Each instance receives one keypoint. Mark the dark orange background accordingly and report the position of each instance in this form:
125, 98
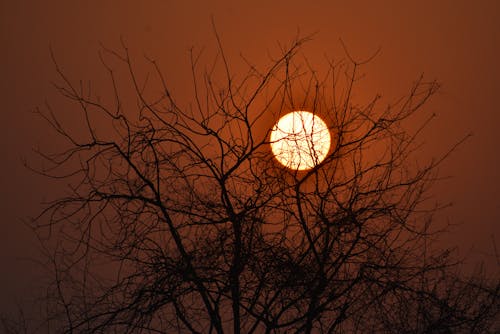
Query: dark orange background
455, 42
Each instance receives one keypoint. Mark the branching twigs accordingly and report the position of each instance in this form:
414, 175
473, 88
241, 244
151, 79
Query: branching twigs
181, 221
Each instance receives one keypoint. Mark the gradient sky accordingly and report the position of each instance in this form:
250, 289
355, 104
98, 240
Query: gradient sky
455, 42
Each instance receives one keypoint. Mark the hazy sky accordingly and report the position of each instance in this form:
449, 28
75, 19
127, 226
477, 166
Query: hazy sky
455, 42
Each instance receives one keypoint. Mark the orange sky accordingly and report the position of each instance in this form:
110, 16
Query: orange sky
455, 42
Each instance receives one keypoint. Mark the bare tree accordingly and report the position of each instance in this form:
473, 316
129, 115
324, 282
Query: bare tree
179, 219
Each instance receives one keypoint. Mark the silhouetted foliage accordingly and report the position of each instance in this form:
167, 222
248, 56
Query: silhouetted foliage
179, 219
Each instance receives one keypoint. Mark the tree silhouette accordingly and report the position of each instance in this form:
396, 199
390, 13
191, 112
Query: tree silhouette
179, 219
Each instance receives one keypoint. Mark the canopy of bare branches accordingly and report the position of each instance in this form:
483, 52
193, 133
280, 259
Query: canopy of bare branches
179, 219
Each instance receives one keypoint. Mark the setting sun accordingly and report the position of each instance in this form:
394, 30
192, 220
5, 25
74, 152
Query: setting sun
300, 140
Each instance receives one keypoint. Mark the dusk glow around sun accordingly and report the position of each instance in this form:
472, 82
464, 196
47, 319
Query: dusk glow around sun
300, 140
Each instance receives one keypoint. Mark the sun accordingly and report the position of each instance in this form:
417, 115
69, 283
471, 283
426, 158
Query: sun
300, 140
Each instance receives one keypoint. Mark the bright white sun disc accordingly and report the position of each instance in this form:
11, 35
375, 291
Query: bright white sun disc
300, 140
